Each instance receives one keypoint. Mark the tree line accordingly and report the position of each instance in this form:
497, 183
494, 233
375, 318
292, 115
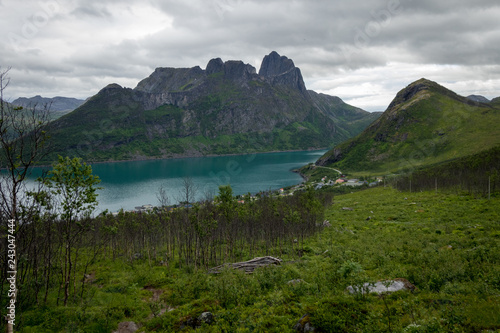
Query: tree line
477, 174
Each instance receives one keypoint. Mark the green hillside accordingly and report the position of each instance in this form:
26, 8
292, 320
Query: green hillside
425, 124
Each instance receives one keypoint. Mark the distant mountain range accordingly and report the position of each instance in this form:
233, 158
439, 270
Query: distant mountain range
424, 124
59, 106
228, 108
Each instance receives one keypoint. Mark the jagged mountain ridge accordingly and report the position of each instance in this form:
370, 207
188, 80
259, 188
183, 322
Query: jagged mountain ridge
425, 123
226, 108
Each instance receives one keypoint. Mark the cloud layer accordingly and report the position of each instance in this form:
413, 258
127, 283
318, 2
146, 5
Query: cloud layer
363, 52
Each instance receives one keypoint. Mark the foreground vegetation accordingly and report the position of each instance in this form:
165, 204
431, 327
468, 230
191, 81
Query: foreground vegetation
445, 244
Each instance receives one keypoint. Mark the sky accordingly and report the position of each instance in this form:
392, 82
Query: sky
361, 51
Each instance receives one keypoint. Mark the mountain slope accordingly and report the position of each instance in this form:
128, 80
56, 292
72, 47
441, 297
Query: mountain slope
425, 123
350, 120
226, 108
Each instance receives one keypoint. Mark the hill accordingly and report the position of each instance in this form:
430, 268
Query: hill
478, 98
424, 124
225, 109
59, 106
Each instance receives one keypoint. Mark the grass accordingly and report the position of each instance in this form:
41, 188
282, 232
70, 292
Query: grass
448, 246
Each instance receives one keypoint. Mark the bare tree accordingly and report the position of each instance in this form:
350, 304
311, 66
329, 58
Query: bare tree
22, 142
188, 192
162, 196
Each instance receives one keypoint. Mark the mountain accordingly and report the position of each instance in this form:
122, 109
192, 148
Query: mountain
495, 102
424, 124
59, 106
350, 120
225, 109
478, 98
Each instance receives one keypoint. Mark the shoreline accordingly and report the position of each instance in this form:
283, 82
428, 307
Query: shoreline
188, 157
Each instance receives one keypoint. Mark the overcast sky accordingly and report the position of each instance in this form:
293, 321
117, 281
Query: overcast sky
362, 51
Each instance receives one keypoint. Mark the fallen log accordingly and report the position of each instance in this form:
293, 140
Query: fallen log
247, 266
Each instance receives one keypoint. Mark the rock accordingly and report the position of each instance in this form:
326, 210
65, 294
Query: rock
347, 208
280, 70
273, 64
238, 71
380, 287
215, 66
303, 325
296, 281
206, 317
127, 327
190, 322
326, 224
309, 328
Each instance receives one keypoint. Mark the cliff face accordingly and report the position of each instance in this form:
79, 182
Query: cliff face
226, 108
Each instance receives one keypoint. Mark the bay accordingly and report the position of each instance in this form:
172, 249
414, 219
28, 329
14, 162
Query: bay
135, 183
126, 185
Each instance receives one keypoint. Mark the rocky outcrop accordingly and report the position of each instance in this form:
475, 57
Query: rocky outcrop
273, 65
164, 80
381, 287
304, 325
279, 70
215, 66
127, 327
196, 322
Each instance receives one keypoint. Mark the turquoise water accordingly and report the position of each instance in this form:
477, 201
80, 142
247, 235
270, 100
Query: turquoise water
136, 183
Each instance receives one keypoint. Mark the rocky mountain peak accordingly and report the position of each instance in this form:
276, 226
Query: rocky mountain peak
273, 65
278, 69
214, 66
232, 69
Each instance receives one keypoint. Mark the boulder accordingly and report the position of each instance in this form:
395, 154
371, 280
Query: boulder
381, 287
127, 327
206, 317
304, 325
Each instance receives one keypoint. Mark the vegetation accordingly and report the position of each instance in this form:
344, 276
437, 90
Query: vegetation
151, 268
477, 174
22, 143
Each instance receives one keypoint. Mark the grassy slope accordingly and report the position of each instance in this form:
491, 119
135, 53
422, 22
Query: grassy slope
434, 126
447, 246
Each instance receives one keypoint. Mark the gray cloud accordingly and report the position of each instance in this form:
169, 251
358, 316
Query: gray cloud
364, 51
